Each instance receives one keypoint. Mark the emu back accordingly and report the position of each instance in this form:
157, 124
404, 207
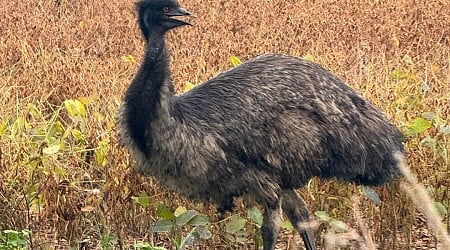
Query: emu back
259, 130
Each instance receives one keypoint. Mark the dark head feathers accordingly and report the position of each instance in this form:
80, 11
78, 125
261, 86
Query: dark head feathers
159, 15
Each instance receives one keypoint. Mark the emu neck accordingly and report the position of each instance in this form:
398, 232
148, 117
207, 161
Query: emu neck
148, 96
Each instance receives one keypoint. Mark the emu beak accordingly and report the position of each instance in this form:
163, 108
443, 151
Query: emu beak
179, 12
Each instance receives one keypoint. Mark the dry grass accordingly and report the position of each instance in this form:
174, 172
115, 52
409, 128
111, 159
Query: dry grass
56, 50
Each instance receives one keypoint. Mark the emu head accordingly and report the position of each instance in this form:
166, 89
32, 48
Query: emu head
159, 16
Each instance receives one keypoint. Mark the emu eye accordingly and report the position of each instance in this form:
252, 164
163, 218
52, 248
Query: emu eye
166, 9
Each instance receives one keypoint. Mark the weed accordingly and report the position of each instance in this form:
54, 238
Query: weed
12, 239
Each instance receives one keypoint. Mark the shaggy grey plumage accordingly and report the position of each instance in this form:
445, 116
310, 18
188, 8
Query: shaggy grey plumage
259, 130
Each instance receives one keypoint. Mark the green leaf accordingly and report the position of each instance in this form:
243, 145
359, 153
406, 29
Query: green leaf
179, 211
236, 224
398, 74
77, 134
100, 152
188, 86
419, 125
235, 61
309, 57
256, 216
56, 129
143, 199
52, 149
163, 226
370, 193
185, 217
164, 212
199, 220
3, 127
75, 108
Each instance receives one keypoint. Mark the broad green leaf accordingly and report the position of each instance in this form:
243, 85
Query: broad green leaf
164, 212
235, 61
180, 210
398, 74
163, 226
77, 134
75, 108
185, 217
309, 57
199, 220
56, 129
188, 86
370, 193
419, 125
235, 224
52, 149
143, 199
100, 152
255, 215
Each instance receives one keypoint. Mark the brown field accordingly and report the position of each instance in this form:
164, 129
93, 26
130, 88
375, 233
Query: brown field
80, 194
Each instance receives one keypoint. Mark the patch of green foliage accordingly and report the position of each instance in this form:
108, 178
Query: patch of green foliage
13, 239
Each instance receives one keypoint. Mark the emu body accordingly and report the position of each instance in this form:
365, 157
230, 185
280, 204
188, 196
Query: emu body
259, 130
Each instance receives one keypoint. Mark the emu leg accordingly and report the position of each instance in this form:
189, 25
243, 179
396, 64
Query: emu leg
271, 226
295, 209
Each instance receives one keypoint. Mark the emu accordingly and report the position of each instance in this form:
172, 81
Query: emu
258, 131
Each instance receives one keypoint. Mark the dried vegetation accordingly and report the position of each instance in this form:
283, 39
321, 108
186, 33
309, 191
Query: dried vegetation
80, 192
